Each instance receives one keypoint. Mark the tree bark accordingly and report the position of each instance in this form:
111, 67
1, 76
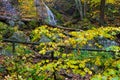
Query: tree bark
85, 8
79, 7
102, 9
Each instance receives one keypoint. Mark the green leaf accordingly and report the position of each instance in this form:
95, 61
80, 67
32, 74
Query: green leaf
116, 78
30, 79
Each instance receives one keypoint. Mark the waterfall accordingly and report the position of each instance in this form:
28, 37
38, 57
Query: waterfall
51, 17
44, 12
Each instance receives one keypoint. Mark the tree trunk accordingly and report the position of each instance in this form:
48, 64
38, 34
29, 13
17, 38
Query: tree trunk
79, 7
102, 8
85, 8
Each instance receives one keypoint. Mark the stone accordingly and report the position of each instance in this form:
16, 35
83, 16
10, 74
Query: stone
20, 36
44, 39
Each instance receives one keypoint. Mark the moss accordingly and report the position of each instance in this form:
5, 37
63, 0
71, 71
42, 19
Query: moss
5, 30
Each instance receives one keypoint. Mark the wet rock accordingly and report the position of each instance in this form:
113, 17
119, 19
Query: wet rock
11, 23
104, 42
9, 11
20, 36
44, 39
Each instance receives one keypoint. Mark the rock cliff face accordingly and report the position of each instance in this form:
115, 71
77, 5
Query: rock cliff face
7, 9
8, 12
65, 6
41, 9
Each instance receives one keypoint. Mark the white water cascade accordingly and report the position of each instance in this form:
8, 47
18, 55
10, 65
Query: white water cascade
44, 12
51, 17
